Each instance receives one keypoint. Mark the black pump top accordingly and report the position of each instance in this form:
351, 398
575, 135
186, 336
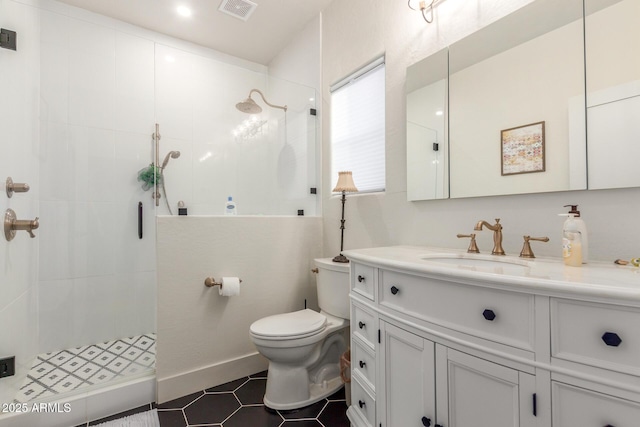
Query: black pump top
574, 210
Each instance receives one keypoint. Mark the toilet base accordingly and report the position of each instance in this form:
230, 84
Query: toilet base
317, 392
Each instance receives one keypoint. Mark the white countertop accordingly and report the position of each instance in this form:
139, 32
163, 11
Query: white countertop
547, 276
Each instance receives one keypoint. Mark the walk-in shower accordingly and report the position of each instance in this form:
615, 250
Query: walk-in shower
81, 296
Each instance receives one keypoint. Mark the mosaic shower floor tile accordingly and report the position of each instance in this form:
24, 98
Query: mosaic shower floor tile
72, 369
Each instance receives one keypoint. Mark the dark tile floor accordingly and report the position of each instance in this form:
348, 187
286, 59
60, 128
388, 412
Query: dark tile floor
239, 404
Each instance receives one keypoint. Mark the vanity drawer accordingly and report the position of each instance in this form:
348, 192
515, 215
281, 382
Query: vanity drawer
363, 324
363, 280
602, 335
363, 361
500, 316
573, 406
363, 402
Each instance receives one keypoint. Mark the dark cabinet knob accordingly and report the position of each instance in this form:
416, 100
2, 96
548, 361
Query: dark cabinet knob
611, 339
360, 279
489, 315
362, 364
361, 404
426, 422
361, 325
609, 425
394, 290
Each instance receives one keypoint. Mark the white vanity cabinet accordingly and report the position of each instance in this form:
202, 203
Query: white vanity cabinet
446, 347
424, 383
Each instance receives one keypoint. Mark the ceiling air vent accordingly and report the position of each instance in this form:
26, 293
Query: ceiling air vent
241, 9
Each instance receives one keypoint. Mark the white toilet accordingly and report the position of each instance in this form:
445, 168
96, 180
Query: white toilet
304, 347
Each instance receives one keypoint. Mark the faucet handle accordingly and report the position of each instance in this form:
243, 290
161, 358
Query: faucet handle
473, 248
526, 248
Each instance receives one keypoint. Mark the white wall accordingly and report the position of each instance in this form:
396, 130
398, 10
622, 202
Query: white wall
357, 31
203, 338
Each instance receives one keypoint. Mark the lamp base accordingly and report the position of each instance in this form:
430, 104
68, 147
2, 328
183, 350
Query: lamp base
341, 258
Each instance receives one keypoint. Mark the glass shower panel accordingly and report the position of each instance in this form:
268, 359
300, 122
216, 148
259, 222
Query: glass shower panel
265, 161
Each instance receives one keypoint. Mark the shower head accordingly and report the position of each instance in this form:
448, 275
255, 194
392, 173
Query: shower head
170, 154
249, 105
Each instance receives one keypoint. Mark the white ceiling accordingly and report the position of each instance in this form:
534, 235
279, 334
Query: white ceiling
269, 29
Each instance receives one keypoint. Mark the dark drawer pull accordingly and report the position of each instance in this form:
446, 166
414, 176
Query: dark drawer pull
361, 325
609, 425
426, 422
361, 404
360, 278
489, 315
394, 290
611, 339
362, 364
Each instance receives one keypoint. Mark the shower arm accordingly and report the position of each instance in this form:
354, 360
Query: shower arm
282, 107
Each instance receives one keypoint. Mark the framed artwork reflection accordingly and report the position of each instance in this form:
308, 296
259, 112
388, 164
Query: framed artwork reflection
522, 149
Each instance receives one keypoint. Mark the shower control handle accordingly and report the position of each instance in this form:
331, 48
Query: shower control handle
12, 224
14, 187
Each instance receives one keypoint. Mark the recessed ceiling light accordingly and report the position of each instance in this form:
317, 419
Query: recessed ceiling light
183, 11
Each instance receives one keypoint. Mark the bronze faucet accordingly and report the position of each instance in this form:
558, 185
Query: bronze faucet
497, 235
526, 247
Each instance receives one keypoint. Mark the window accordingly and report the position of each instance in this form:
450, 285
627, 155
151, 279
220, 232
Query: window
358, 127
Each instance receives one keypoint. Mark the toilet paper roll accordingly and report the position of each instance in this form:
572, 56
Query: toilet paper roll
230, 286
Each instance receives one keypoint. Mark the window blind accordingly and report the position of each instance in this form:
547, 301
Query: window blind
358, 127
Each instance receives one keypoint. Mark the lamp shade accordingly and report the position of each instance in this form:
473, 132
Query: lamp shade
345, 183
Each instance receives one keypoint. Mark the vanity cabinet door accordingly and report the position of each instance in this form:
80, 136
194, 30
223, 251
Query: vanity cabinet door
479, 393
408, 377
575, 406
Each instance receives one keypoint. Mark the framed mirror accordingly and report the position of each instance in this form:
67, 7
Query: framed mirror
612, 37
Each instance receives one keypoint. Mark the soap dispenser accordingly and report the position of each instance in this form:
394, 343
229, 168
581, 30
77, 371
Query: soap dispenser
571, 242
582, 228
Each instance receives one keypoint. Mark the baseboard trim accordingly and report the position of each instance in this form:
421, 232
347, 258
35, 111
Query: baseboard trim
185, 383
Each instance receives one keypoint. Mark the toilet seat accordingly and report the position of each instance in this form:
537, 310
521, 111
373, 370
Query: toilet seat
288, 326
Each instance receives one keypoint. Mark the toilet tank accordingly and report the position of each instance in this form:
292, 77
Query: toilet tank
332, 282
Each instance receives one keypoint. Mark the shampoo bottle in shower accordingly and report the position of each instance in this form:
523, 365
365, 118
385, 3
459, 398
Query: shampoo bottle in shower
230, 207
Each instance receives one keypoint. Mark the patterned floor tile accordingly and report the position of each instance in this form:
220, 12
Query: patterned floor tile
71, 369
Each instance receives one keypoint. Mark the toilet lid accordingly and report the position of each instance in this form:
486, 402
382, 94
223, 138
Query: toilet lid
289, 325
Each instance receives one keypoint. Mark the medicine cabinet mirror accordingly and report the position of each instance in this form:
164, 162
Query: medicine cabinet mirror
529, 67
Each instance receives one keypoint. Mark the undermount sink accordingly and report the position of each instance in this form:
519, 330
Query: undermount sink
481, 262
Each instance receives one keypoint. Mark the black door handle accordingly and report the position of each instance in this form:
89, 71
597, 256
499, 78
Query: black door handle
394, 290
611, 339
360, 279
361, 404
362, 364
426, 422
489, 315
361, 325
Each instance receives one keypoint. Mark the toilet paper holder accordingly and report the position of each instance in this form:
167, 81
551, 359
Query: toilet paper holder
210, 282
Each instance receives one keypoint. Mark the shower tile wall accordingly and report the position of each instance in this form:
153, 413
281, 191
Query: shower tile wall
97, 278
